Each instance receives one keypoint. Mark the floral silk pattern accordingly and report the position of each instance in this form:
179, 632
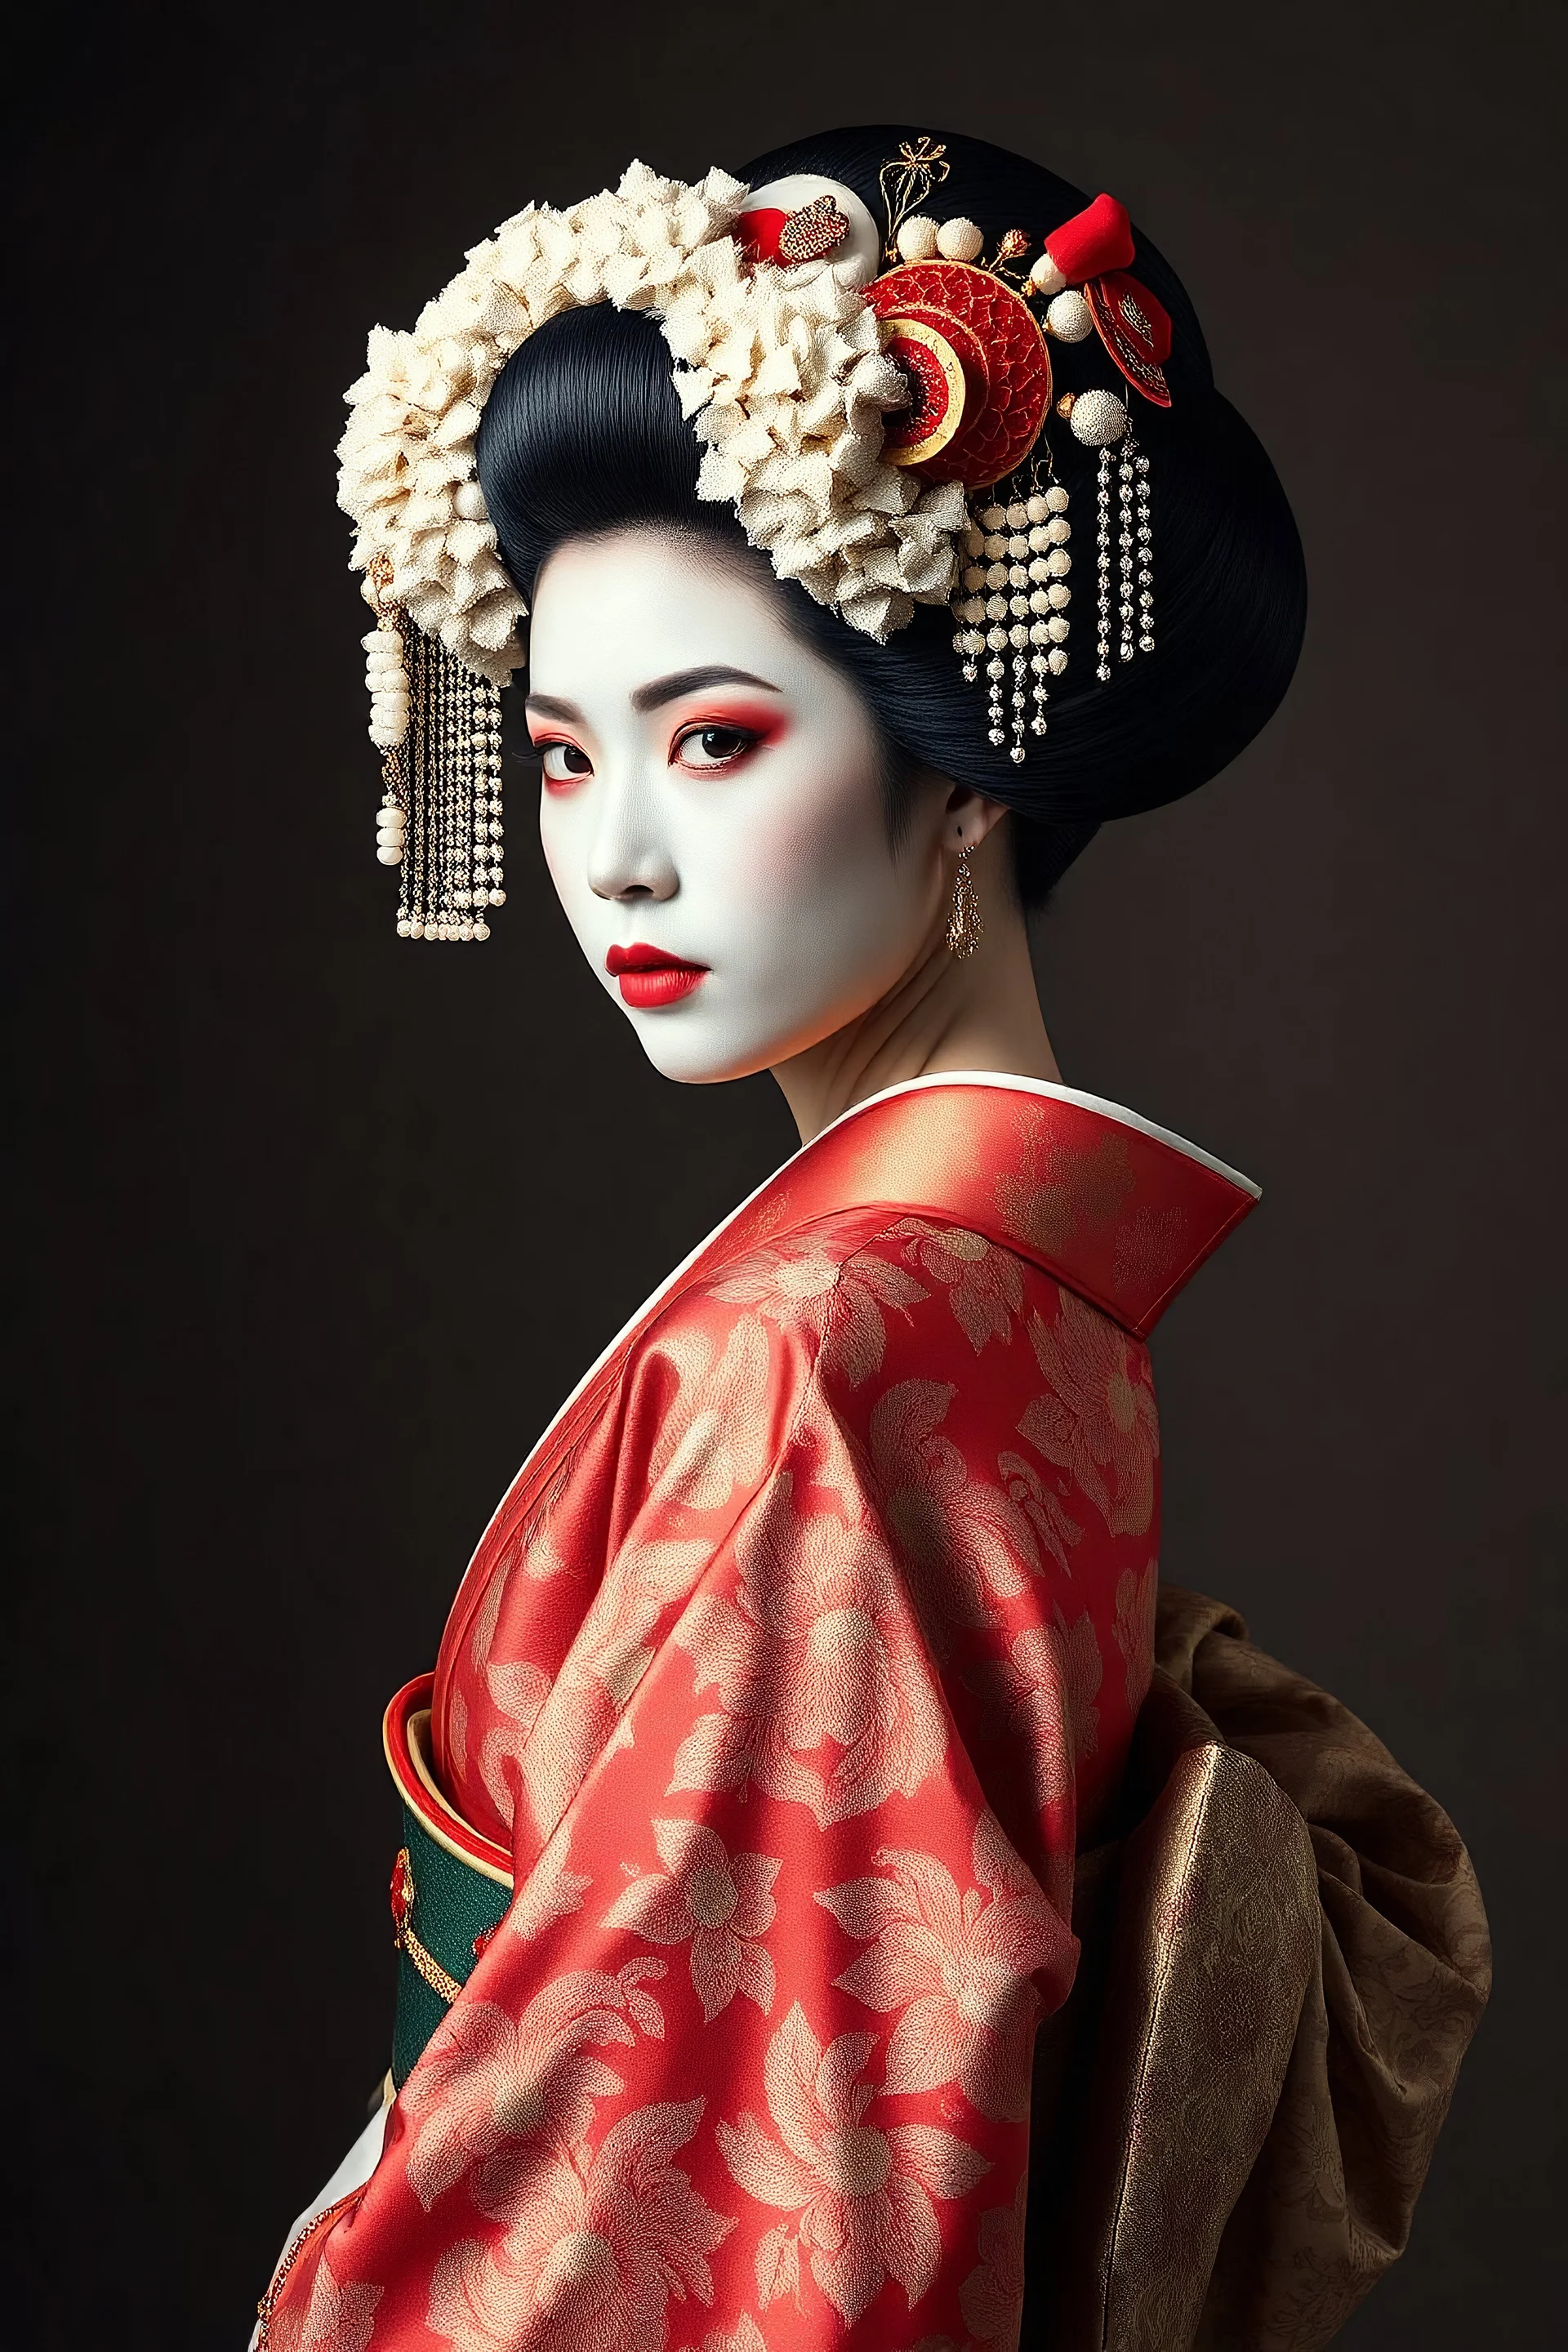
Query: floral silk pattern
804, 1652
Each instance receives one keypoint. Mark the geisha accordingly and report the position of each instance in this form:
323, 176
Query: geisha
844, 1899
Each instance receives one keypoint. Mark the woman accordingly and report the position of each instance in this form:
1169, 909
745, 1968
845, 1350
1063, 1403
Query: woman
841, 1894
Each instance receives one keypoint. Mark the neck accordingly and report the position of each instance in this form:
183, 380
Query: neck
980, 1013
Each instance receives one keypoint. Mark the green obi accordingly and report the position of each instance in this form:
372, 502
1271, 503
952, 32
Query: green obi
450, 1889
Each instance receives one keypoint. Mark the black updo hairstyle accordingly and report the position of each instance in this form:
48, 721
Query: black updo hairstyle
582, 433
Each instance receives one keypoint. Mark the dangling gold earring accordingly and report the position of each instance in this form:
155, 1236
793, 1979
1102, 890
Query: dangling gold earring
964, 928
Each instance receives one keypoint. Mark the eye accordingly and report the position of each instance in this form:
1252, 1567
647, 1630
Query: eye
719, 744
563, 762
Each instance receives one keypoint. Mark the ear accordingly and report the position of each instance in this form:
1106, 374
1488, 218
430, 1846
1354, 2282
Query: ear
968, 817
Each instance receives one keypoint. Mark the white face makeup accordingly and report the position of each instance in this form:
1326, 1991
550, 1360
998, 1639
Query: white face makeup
712, 813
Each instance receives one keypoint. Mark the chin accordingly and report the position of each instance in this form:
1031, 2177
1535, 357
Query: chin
724, 1032
694, 1056
700, 1044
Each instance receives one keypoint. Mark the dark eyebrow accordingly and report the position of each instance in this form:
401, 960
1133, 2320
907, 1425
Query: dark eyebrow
549, 707
660, 690
657, 691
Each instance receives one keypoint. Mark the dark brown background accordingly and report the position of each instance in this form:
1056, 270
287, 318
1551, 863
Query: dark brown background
316, 1229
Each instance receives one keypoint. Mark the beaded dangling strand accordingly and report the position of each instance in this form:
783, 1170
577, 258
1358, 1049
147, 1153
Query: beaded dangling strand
386, 680
1136, 549
1018, 626
1102, 580
1126, 608
487, 813
1021, 563
1135, 594
1145, 535
969, 605
438, 728
997, 611
1050, 597
410, 923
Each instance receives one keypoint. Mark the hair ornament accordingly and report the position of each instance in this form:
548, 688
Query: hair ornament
1135, 329
1068, 317
1003, 362
919, 166
1095, 417
976, 356
804, 219
1097, 239
847, 410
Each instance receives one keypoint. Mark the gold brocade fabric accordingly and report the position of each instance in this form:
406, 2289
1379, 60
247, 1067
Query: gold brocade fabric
1284, 1959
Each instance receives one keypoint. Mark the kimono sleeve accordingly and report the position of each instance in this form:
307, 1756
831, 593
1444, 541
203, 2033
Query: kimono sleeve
747, 2065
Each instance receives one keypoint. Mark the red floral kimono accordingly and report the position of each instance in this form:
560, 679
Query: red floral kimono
802, 1657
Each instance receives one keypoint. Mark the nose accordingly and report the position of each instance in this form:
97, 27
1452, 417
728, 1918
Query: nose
628, 856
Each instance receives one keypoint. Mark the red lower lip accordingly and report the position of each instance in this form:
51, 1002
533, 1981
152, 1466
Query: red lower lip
648, 977
662, 984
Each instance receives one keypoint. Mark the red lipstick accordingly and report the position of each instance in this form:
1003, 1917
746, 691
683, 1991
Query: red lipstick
649, 977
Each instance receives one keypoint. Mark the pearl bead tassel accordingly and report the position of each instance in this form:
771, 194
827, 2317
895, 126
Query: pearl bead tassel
1135, 556
387, 681
1014, 610
1125, 541
1102, 561
1137, 530
391, 826
438, 729
1014, 602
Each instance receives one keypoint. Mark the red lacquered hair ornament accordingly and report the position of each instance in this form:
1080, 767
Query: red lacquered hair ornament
1135, 328
990, 417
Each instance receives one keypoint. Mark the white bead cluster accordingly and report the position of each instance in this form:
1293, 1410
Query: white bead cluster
1097, 418
1068, 317
387, 681
921, 238
391, 828
1015, 605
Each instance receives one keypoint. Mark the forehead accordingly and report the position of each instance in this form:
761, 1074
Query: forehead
612, 612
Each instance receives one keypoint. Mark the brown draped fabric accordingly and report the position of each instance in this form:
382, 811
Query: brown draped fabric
1284, 1959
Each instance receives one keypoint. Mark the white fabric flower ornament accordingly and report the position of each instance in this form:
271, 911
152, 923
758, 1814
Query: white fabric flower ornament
782, 373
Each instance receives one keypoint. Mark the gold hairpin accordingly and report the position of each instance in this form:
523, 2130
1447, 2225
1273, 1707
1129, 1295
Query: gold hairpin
920, 166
